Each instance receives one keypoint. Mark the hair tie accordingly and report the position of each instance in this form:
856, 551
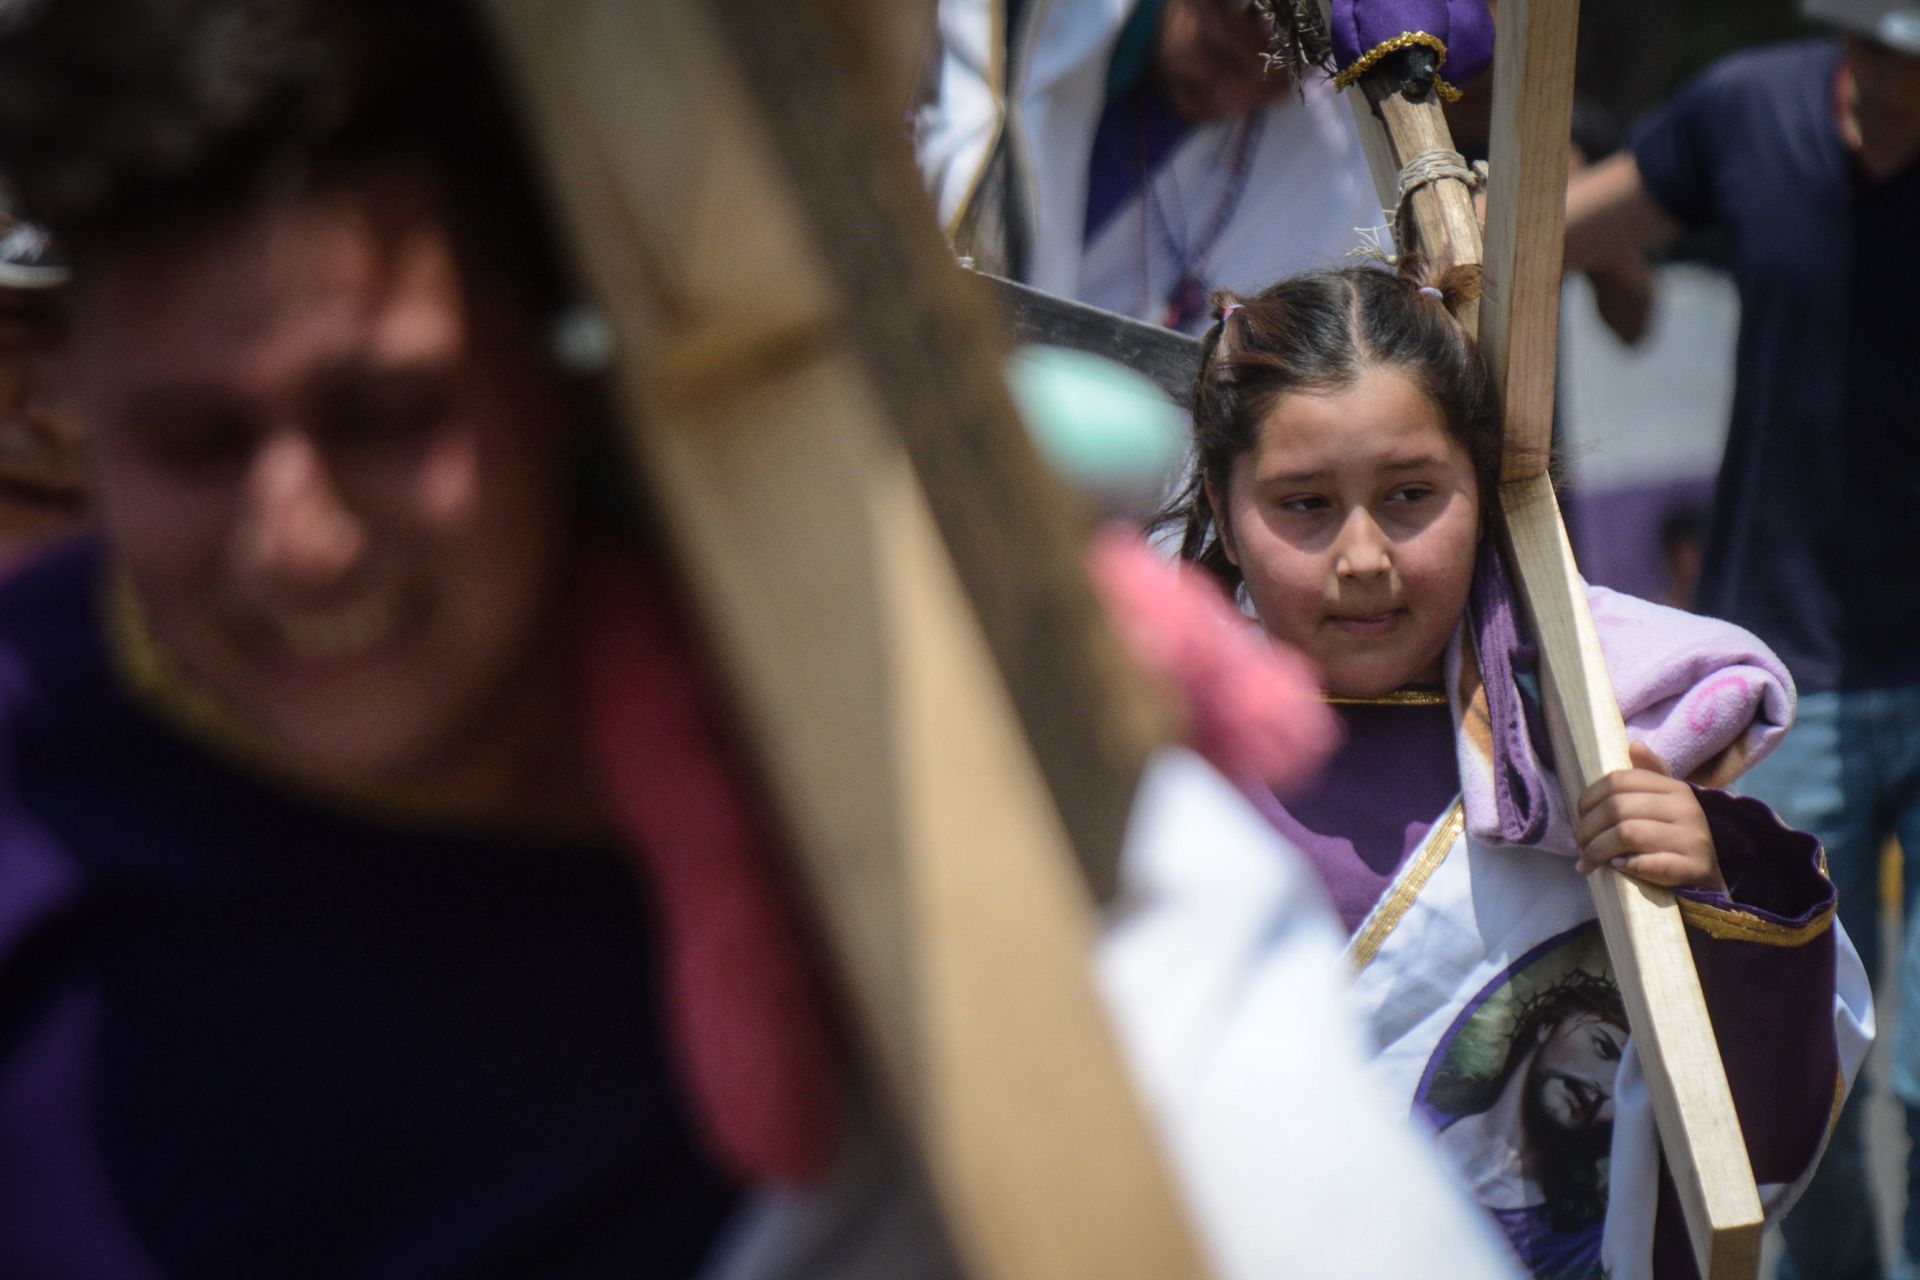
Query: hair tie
1228, 310
1432, 292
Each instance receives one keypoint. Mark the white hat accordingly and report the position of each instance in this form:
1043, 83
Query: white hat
1889, 22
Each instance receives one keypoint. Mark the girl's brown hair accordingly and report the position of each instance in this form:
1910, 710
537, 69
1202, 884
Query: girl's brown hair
1318, 332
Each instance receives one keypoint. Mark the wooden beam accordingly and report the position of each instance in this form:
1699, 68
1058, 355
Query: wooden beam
1646, 941
1526, 221
1517, 323
771, 391
1519, 335
1438, 221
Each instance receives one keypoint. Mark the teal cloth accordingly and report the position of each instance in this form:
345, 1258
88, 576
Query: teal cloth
1133, 52
1108, 432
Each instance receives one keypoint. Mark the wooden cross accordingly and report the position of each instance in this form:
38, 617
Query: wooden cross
948, 732
1517, 319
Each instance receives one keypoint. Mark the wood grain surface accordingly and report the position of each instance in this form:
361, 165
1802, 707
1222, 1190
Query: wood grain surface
892, 584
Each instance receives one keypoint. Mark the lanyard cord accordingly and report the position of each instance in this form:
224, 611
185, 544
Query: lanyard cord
1188, 294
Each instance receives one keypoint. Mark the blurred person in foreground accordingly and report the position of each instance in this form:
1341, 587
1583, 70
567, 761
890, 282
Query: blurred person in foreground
1807, 158
43, 487
322, 950
378, 897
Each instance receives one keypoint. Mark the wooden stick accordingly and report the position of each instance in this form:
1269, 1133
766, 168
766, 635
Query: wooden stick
1526, 222
1646, 941
1526, 212
1438, 221
1517, 325
765, 386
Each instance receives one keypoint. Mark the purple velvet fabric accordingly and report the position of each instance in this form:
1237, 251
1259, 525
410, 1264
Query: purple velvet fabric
1780, 1065
1464, 26
248, 1031
1370, 809
1771, 1006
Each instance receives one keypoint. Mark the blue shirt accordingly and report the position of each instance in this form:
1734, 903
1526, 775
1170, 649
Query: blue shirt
249, 1033
1814, 541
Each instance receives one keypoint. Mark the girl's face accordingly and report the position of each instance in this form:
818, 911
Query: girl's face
1354, 520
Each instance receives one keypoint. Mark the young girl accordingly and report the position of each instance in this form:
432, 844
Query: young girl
1347, 440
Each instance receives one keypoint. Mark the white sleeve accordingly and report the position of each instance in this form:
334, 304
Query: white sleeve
955, 132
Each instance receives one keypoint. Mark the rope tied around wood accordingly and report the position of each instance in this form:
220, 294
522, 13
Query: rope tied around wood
1429, 167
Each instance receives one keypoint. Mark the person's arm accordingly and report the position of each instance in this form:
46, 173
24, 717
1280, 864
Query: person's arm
1611, 216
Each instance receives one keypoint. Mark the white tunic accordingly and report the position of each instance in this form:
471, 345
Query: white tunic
1305, 198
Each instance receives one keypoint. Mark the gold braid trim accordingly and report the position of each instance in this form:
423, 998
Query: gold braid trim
1405, 40
1390, 910
1731, 925
152, 678
1397, 698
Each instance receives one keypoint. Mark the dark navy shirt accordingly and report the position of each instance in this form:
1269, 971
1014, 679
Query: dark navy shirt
1814, 542
249, 1034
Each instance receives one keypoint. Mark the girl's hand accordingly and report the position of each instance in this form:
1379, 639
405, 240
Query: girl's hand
1649, 825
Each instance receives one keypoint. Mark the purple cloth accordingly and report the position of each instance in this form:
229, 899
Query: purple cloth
1709, 698
1548, 1252
1463, 26
1138, 132
1782, 1077
245, 1032
1771, 1006
1375, 802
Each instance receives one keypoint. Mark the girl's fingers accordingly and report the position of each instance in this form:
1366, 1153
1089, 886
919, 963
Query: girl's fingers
1648, 781
1670, 870
1645, 757
1643, 822
1638, 836
1623, 807
1611, 843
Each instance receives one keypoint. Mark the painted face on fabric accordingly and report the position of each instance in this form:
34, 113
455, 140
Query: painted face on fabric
1354, 520
331, 474
1572, 1075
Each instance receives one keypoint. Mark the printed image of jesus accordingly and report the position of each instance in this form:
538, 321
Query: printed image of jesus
1521, 1093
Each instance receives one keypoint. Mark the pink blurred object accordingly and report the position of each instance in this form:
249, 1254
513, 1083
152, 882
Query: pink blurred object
1252, 708
748, 1021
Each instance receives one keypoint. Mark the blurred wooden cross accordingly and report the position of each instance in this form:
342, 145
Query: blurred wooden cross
949, 734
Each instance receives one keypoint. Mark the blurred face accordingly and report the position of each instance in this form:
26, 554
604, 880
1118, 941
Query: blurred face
1208, 60
330, 472
42, 468
1354, 521
1572, 1075
1885, 96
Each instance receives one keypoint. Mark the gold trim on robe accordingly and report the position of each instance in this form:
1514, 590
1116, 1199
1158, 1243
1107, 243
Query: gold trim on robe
1733, 925
1393, 907
1395, 698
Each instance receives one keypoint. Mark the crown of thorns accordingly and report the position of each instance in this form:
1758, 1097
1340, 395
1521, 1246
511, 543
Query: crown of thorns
1582, 991
1299, 37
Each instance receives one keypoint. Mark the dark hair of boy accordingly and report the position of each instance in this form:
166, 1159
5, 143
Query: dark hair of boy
124, 121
